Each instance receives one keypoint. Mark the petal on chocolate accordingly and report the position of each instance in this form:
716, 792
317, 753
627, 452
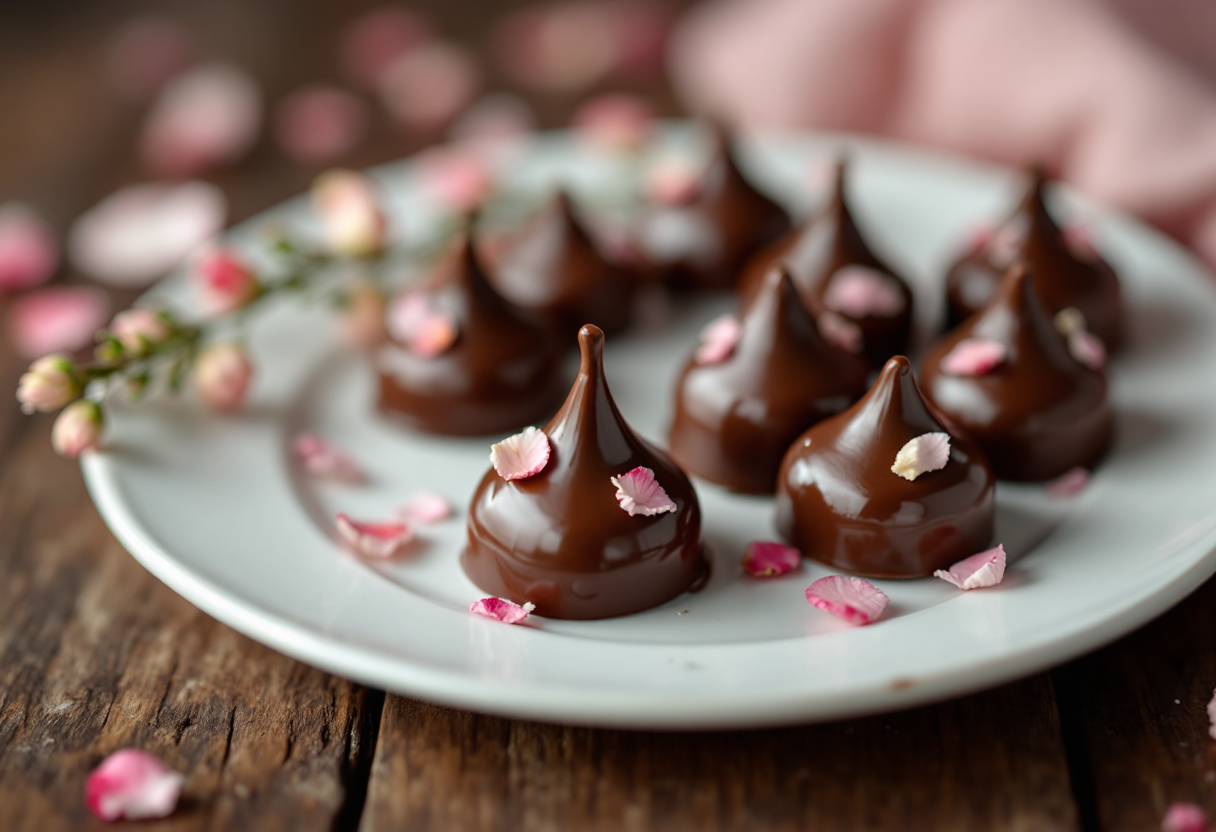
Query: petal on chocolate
974, 357
425, 508
718, 339
922, 454
639, 493
522, 455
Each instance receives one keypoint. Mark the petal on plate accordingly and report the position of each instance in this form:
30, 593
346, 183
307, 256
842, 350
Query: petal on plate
132, 784
425, 508
765, 559
851, 599
57, 319
639, 493
29, 254
839, 332
860, 292
498, 609
974, 357
375, 540
1184, 817
320, 124
522, 455
922, 454
1087, 349
978, 571
324, 459
1070, 482
718, 340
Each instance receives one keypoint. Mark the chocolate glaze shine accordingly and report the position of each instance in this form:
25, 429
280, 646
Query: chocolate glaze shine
555, 270
503, 372
1041, 412
560, 539
1063, 278
815, 251
840, 503
735, 420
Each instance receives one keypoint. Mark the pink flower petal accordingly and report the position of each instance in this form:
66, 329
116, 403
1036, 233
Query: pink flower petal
1068, 483
134, 785
840, 332
766, 560
416, 323
368, 46
860, 292
1184, 817
718, 340
425, 508
922, 454
505, 611
978, 571
204, 119
1212, 716
639, 493
522, 455
320, 124
140, 233
617, 122
429, 85
378, 541
974, 357
322, 459
1087, 349
1080, 242
145, 53
223, 280
57, 319
459, 180
856, 601
28, 252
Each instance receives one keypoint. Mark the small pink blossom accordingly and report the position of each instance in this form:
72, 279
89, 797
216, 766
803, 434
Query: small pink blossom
1080, 242
348, 207
718, 340
459, 180
28, 252
505, 611
57, 319
616, 122
368, 46
974, 357
140, 329
860, 292
414, 321
978, 571
145, 53
223, 279
141, 232
77, 429
922, 454
222, 376
1087, 349
205, 118
1212, 716
49, 384
766, 560
378, 541
639, 493
1070, 482
428, 86
320, 124
134, 785
840, 332
856, 601
523, 455
672, 182
363, 316
425, 508
326, 460
1184, 817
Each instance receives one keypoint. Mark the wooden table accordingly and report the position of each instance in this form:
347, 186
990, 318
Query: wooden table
96, 654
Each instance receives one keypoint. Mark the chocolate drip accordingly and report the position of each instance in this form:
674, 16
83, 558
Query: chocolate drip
839, 501
735, 420
1038, 414
503, 371
815, 252
1063, 277
561, 540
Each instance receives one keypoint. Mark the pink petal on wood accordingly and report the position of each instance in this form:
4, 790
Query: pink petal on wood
1184, 817
974, 357
860, 292
505, 611
132, 784
376, 540
922, 454
323, 459
639, 493
856, 601
57, 319
1070, 482
978, 571
840, 332
320, 124
29, 254
718, 340
425, 508
522, 455
1087, 349
764, 559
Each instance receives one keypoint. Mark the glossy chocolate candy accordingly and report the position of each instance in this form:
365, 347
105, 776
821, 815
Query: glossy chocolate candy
502, 371
1041, 411
826, 250
561, 540
839, 501
735, 418
1067, 272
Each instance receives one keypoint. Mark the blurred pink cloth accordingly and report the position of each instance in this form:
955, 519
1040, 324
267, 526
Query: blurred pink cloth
1117, 97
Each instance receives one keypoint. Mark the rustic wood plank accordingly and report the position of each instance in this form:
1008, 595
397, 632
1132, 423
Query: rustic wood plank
991, 761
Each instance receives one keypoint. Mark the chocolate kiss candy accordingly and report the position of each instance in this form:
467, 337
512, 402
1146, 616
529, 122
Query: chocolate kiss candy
503, 371
828, 248
560, 539
704, 242
1065, 275
839, 501
736, 418
554, 270
1039, 413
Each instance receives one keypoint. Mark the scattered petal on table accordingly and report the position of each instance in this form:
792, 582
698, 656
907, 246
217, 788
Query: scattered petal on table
922, 454
57, 319
132, 784
522, 455
507, 612
978, 571
765, 559
376, 540
639, 493
425, 508
324, 459
851, 599
1070, 482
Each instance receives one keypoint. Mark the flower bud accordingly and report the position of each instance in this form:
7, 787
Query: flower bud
48, 384
351, 219
140, 330
222, 376
224, 280
78, 428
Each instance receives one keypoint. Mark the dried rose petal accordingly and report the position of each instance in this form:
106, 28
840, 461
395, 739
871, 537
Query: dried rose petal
28, 252
507, 612
1184, 817
319, 124
718, 340
974, 357
1087, 349
416, 323
764, 559
851, 599
459, 180
378, 541
978, 571
425, 508
132, 784
1068, 483
840, 332
639, 493
427, 86
860, 292
322, 459
522, 455
57, 319
368, 46
922, 454
616, 122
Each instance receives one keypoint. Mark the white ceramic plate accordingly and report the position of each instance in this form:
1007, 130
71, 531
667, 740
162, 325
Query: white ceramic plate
216, 508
